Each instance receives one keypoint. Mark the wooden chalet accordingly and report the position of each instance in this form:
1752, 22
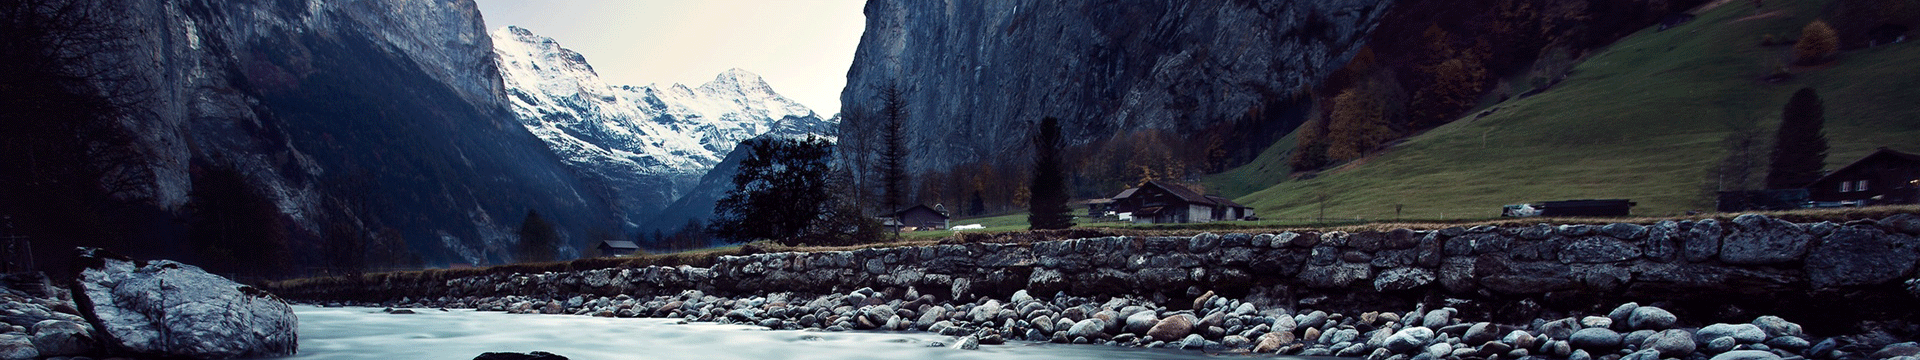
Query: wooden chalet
920, 217
1882, 177
617, 247
1158, 203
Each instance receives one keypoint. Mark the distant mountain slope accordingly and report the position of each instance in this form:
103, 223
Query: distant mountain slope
1644, 119
648, 144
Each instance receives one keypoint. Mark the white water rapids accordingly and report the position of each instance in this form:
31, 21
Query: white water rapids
368, 333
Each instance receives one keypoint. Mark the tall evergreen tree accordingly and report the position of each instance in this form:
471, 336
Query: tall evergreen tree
1800, 148
893, 151
1047, 208
537, 238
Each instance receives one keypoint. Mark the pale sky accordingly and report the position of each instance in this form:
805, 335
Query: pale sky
801, 47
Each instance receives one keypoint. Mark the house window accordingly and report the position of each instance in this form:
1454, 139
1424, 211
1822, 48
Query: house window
1846, 186
1861, 187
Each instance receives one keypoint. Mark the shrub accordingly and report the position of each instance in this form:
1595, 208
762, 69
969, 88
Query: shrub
1817, 43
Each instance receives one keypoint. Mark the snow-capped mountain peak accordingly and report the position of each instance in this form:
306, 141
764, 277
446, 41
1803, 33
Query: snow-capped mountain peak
636, 137
737, 82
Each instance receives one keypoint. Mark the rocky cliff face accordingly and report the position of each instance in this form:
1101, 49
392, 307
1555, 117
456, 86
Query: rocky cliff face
648, 144
977, 75
396, 106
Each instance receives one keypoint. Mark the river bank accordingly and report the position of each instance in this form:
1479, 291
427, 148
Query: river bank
1218, 325
1830, 274
1310, 293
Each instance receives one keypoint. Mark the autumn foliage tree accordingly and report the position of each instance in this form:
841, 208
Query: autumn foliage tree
1818, 42
1358, 123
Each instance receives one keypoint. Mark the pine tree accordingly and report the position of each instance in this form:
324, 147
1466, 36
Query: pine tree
893, 151
537, 238
1047, 208
1800, 148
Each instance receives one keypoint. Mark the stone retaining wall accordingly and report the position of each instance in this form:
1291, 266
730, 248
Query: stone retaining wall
1714, 269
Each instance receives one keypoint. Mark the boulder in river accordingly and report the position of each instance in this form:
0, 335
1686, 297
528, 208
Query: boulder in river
537, 355
169, 309
1172, 328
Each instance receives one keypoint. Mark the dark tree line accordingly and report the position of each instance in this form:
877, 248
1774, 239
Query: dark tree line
690, 236
69, 172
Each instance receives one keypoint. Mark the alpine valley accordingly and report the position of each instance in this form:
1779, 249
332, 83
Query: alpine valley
647, 145
366, 134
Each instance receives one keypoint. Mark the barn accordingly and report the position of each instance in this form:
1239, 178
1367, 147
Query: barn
1157, 202
920, 217
1882, 177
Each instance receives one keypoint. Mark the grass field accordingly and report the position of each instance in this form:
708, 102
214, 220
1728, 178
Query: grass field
1643, 119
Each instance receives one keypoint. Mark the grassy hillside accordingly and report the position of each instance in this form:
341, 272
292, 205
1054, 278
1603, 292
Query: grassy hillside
1643, 119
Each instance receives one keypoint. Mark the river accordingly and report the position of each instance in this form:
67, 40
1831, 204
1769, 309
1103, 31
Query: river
368, 333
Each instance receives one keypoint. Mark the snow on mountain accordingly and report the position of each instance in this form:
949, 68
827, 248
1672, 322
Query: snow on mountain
648, 143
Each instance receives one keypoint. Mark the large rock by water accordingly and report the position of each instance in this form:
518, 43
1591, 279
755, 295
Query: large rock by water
169, 309
1172, 328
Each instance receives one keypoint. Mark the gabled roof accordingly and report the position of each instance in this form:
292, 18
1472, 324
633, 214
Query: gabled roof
1182, 192
929, 208
1224, 201
1883, 151
619, 244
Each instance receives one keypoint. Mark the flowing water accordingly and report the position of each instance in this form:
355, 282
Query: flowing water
367, 333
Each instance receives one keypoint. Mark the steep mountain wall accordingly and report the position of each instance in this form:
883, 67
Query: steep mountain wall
977, 75
383, 114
